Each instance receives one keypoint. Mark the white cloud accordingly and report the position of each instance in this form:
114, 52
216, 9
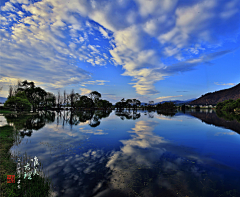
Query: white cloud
37, 44
8, 7
225, 84
97, 82
225, 133
231, 8
103, 32
20, 1
85, 91
151, 31
162, 117
97, 132
167, 97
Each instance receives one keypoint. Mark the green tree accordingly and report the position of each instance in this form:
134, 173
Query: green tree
18, 102
35, 95
227, 104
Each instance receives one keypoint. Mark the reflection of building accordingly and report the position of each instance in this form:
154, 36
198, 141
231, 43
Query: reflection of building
201, 106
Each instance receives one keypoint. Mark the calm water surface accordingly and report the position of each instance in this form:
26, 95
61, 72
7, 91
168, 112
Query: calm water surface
134, 154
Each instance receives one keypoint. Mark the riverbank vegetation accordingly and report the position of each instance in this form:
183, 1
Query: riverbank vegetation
229, 109
36, 186
229, 106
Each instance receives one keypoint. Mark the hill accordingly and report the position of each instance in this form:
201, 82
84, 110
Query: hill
212, 98
2, 99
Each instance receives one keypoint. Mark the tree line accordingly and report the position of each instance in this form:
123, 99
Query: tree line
26, 96
135, 104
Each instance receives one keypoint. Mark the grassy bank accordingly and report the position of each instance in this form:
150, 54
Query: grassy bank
37, 186
6, 111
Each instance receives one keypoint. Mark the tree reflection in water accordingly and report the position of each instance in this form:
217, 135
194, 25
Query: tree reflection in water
166, 113
25, 124
128, 115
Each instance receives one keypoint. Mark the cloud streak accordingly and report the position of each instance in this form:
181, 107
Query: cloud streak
167, 97
225, 84
97, 82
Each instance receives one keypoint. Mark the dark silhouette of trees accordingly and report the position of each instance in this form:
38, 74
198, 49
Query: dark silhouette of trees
120, 105
95, 96
64, 97
166, 106
49, 100
84, 102
104, 104
166, 113
128, 115
123, 103
135, 103
72, 96
129, 103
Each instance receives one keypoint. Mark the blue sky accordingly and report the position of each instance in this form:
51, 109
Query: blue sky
144, 49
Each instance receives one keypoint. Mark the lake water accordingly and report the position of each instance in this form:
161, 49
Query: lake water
144, 154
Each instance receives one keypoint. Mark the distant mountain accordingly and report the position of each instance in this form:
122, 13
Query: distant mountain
174, 101
212, 98
2, 99
180, 102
